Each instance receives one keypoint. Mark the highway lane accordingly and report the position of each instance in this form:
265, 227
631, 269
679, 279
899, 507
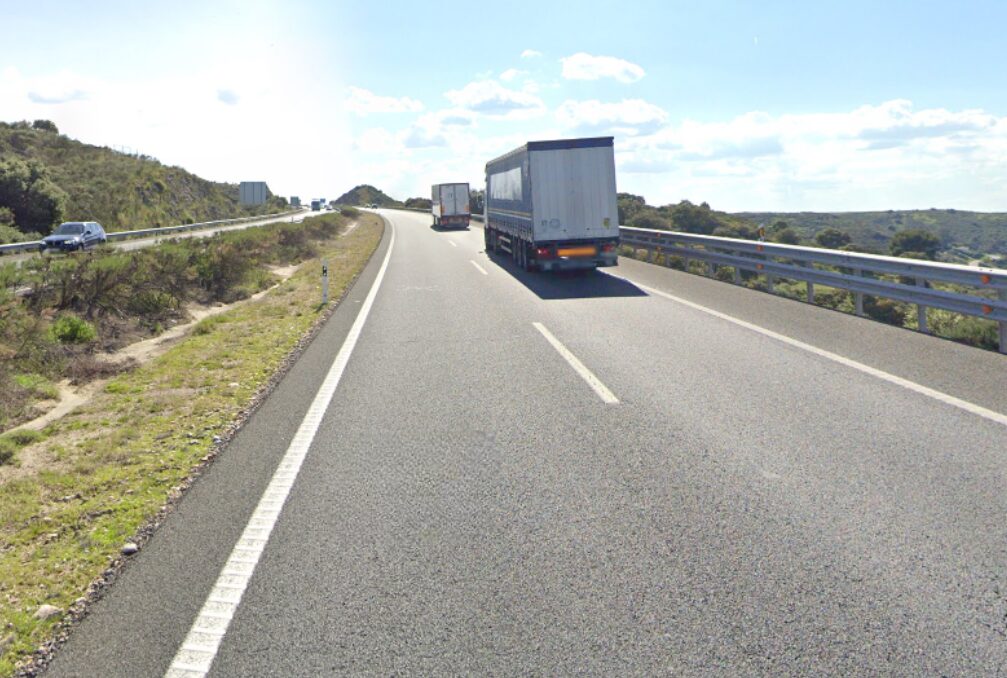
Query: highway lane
470, 504
139, 243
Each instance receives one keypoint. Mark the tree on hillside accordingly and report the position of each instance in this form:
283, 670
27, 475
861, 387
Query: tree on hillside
26, 190
46, 126
787, 236
915, 240
629, 206
832, 238
691, 218
649, 218
421, 203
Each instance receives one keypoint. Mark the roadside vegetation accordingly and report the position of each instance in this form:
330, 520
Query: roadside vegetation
46, 178
969, 330
73, 493
901, 239
954, 236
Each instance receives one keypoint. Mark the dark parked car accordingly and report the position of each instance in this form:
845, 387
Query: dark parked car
75, 235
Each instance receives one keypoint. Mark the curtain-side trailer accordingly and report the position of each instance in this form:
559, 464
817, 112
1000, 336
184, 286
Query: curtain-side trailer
450, 205
552, 205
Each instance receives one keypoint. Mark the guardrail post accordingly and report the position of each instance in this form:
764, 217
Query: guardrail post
1003, 324
811, 292
921, 311
652, 256
737, 274
858, 297
687, 262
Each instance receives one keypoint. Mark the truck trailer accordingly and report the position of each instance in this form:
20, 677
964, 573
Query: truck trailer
551, 205
450, 205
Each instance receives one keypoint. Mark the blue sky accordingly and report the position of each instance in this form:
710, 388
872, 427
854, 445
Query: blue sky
747, 105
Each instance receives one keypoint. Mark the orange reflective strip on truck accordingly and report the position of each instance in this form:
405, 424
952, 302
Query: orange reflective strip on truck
577, 251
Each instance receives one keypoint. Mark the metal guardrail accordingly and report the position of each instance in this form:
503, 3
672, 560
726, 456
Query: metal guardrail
851, 271
32, 246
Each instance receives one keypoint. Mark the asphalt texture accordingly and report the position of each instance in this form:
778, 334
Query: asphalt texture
470, 506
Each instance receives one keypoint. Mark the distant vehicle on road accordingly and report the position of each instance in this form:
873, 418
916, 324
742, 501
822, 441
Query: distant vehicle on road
74, 235
316, 205
552, 204
450, 205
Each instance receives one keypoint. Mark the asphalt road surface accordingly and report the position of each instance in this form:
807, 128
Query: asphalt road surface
648, 474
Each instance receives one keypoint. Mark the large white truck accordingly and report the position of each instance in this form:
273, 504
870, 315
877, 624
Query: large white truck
450, 205
551, 205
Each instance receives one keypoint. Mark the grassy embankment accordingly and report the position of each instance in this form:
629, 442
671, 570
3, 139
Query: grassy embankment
75, 492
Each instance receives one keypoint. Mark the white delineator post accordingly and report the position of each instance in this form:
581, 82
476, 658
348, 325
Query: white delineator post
325, 282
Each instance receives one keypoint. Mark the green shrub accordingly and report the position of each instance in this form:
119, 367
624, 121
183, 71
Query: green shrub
7, 450
69, 329
37, 384
23, 436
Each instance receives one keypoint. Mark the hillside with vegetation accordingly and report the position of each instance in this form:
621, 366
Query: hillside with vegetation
47, 177
962, 235
685, 217
365, 194
946, 235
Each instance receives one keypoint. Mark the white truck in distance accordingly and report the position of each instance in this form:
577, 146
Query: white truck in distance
450, 205
552, 205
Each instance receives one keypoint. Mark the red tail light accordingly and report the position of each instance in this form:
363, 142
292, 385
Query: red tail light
544, 253
608, 247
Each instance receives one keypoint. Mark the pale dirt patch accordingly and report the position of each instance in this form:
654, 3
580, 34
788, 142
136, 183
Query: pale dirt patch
31, 459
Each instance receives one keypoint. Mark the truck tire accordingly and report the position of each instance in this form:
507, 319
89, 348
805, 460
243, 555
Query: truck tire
488, 239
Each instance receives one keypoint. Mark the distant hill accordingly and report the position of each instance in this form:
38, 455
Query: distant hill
119, 190
365, 194
964, 235
685, 216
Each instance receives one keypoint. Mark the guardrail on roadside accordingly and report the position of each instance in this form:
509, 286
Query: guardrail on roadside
854, 272
33, 245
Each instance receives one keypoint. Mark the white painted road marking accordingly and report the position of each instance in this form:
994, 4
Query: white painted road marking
972, 408
480, 268
452, 243
199, 649
594, 382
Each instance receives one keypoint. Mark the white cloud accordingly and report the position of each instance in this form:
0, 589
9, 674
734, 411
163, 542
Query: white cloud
362, 102
511, 74
493, 99
530, 54
179, 119
584, 66
630, 116
58, 88
226, 96
872, 157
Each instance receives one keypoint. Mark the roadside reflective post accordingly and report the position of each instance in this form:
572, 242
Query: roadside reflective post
325, 282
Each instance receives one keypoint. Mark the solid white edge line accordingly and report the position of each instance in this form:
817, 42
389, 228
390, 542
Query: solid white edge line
972, 408
277, 491
594, 382
478, 267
